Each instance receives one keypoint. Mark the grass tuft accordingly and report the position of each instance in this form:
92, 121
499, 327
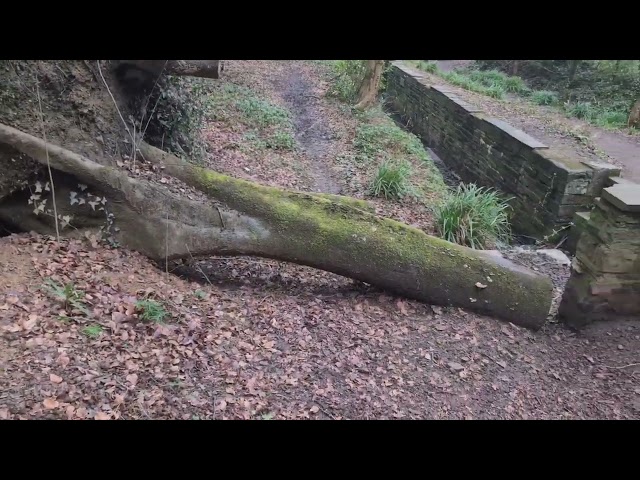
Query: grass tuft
475, 217
391, 180
151, 311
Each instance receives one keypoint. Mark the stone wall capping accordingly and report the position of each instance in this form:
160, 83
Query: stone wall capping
624, 197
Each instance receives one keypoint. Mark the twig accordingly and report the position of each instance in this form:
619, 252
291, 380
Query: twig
564, 239
624, 366
134, 148
115, 103
46, 149
166, 246
221, 219
198, 266
147, 103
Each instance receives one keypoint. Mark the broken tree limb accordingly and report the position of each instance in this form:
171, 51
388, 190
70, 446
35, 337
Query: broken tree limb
300, 228
191, 68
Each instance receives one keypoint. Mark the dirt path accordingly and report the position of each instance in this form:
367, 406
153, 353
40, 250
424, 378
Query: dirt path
312, 130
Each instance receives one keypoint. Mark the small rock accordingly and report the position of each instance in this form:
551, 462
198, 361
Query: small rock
456, 367
620, 347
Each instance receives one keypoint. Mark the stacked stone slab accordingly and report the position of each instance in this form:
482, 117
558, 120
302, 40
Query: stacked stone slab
605, 276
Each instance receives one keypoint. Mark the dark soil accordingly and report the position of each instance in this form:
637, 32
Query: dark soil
312, 130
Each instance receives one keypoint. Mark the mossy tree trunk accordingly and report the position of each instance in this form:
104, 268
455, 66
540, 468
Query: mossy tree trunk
331, 233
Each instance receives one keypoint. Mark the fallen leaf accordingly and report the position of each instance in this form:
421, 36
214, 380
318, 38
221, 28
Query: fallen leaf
502, 363
50, 403
4, 413
55, 378
480, 285
132, 378
102, 416
314, 409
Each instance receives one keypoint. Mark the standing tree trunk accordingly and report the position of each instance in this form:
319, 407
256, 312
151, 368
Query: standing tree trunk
370, 84
514, 67
573, 68
634, 115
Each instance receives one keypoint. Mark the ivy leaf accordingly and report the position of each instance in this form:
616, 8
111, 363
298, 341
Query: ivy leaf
74, 197
38, 187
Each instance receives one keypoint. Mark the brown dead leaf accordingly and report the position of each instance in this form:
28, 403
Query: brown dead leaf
102, 416
4, 413
402, 307
63, 360
29, 324
12, 299
50, 403
55, 378
132, 378
314, 409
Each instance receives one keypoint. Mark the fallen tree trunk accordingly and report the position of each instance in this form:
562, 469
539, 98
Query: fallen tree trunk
253, 219
191, 68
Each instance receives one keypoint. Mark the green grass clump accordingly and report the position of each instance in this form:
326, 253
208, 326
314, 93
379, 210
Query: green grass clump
426, 66
391, 180
544, 97
151, 311
582, 110
612, 119
475, 217
92, 331
495, 91
70, 297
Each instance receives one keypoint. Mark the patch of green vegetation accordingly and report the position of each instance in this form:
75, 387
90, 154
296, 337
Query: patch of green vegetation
475, 217
379, 139
426, 66
271, 125
151, 311
391, 180
545, 97
387, 137
581, 110
92, 331
347, 77
68, 295
609, 86
200, 294
611, 119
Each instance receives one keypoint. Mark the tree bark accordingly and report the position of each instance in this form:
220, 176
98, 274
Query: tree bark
370, 84
573, 68
245, 218
634, 115
514, 67
192, 68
